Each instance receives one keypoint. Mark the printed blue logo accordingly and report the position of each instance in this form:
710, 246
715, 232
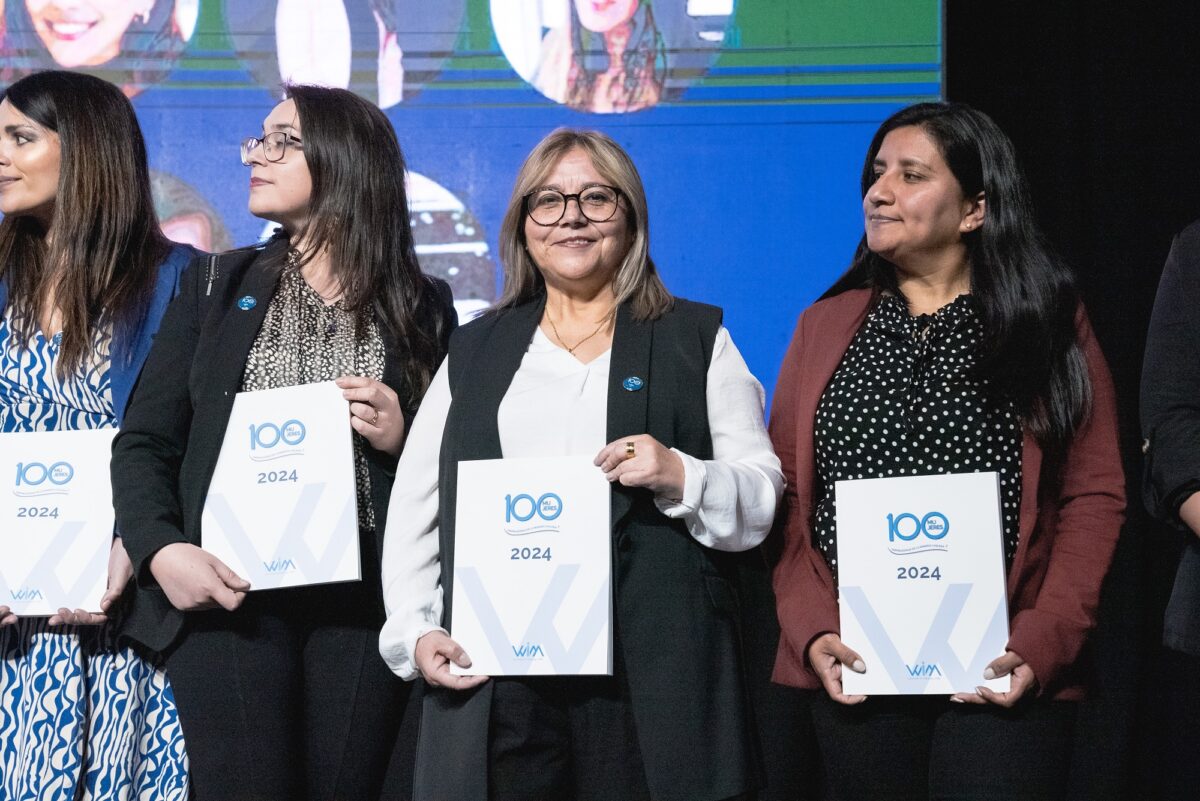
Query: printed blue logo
266, 437
528, 651
279, 566
247, 303
633, 383
26, 594
524, 508
47, 479
924, 670
925, 533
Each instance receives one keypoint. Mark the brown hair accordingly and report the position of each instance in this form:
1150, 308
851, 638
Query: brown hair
636, 280
100, 257
358, 212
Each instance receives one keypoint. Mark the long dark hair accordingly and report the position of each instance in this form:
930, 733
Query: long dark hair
643, 63
1027, 297
358, 213
101, 253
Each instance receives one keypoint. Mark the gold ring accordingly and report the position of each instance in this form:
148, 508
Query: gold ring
375, 417
629, 450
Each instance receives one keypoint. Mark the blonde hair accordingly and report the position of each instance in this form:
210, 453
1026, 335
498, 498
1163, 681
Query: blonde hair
636, 280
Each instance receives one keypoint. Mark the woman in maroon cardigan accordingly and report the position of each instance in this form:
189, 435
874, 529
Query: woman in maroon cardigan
955, 343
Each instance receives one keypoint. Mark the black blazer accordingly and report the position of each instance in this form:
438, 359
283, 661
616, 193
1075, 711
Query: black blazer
1170, 407
676, 604
166, 451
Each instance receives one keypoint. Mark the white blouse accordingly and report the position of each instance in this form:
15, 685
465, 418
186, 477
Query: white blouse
557, 406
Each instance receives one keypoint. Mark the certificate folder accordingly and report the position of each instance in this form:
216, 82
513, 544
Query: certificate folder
921, 582
282, 507
533, 567
58, 520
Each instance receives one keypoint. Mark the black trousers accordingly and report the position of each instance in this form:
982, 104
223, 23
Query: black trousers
929, 748
287, 699
563, 738
1171, 770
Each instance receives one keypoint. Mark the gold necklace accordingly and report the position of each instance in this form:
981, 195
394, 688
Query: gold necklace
558, 336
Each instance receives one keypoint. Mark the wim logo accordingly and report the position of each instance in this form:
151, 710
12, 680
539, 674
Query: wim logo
528, 651
280, 566
26, 594
923, 670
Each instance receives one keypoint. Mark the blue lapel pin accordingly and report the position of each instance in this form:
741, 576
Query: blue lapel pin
247, 303
633, 383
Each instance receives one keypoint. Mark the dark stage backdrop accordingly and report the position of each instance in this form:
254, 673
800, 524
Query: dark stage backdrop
1101, 100
747, 118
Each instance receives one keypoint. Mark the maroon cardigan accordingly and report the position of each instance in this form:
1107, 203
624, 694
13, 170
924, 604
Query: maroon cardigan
1066, 540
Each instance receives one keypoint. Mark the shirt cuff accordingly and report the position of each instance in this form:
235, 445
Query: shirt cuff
401, 655
694, 478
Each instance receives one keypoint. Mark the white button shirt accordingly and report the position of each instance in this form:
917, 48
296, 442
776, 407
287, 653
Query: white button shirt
558, 406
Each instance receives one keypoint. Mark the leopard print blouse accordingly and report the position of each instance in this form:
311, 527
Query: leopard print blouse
302, 341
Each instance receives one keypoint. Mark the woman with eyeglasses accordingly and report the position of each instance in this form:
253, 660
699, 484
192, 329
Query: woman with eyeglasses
282, 693
586, 354
85, 276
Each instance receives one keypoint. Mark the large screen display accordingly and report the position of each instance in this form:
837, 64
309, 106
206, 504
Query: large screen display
748, 119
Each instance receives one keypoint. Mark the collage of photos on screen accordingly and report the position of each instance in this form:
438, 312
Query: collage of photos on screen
594, 56
610, 56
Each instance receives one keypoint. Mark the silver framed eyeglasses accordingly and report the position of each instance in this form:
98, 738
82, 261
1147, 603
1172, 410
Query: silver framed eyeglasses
597, 203
274, 146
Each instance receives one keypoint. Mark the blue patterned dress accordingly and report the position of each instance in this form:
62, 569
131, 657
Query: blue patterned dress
81, 717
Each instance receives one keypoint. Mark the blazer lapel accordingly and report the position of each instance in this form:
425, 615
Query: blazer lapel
225, 351
238, 327
822, 359
633, 341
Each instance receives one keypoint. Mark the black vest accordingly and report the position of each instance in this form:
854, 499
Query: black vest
675, 604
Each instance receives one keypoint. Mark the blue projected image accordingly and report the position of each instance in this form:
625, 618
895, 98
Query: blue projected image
748, 120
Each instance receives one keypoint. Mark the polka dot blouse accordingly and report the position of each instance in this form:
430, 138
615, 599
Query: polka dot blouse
905, 402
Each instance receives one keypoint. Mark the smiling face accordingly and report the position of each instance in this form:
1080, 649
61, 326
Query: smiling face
30, 160
575, 251
602, 16
915, 211
84, 33
281, 191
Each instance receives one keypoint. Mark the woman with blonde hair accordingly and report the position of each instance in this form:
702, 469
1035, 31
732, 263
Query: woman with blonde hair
587, 354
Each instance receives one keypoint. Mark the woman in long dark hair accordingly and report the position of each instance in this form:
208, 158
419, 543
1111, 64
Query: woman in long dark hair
606, 60
85, 275
955, 343
283, 694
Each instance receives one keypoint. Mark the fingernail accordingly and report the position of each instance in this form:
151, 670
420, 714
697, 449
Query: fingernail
980, 690
955, 699
858, 666
989, 674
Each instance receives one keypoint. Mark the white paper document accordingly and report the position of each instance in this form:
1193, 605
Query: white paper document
921, 582
533, 567
282, 509
58, 520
